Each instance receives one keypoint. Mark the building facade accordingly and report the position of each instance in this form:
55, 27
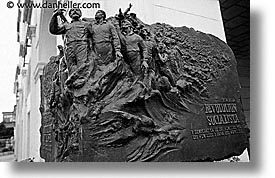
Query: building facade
7, 141
37, 45
9, 119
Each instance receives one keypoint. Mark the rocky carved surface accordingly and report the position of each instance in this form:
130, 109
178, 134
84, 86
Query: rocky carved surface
186, 108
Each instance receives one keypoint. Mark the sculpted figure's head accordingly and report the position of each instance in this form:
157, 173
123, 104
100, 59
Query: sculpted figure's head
161, 47
75, 13
126, 26
145, 33
100, 14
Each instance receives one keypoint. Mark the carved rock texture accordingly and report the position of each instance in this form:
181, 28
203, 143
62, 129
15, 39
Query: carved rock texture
107, 114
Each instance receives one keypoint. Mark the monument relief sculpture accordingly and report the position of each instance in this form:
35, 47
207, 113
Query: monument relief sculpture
138, 92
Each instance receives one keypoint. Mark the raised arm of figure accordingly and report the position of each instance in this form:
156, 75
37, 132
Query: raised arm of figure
54, 27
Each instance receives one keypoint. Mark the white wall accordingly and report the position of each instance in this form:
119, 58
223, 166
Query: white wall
43, 46
20, 137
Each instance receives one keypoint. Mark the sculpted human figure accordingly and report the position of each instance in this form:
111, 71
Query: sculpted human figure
56, 90
76, 37
63, 72
151, 52
134, 49
174, 55
105, 39
164, 68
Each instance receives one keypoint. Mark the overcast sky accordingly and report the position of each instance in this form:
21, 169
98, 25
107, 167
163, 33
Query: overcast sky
8, 55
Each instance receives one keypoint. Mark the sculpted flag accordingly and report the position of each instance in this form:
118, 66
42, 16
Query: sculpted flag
186, 107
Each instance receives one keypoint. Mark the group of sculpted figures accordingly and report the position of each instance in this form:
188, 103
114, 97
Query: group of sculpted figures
123, 68
98, 53
121, 38
122, 90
